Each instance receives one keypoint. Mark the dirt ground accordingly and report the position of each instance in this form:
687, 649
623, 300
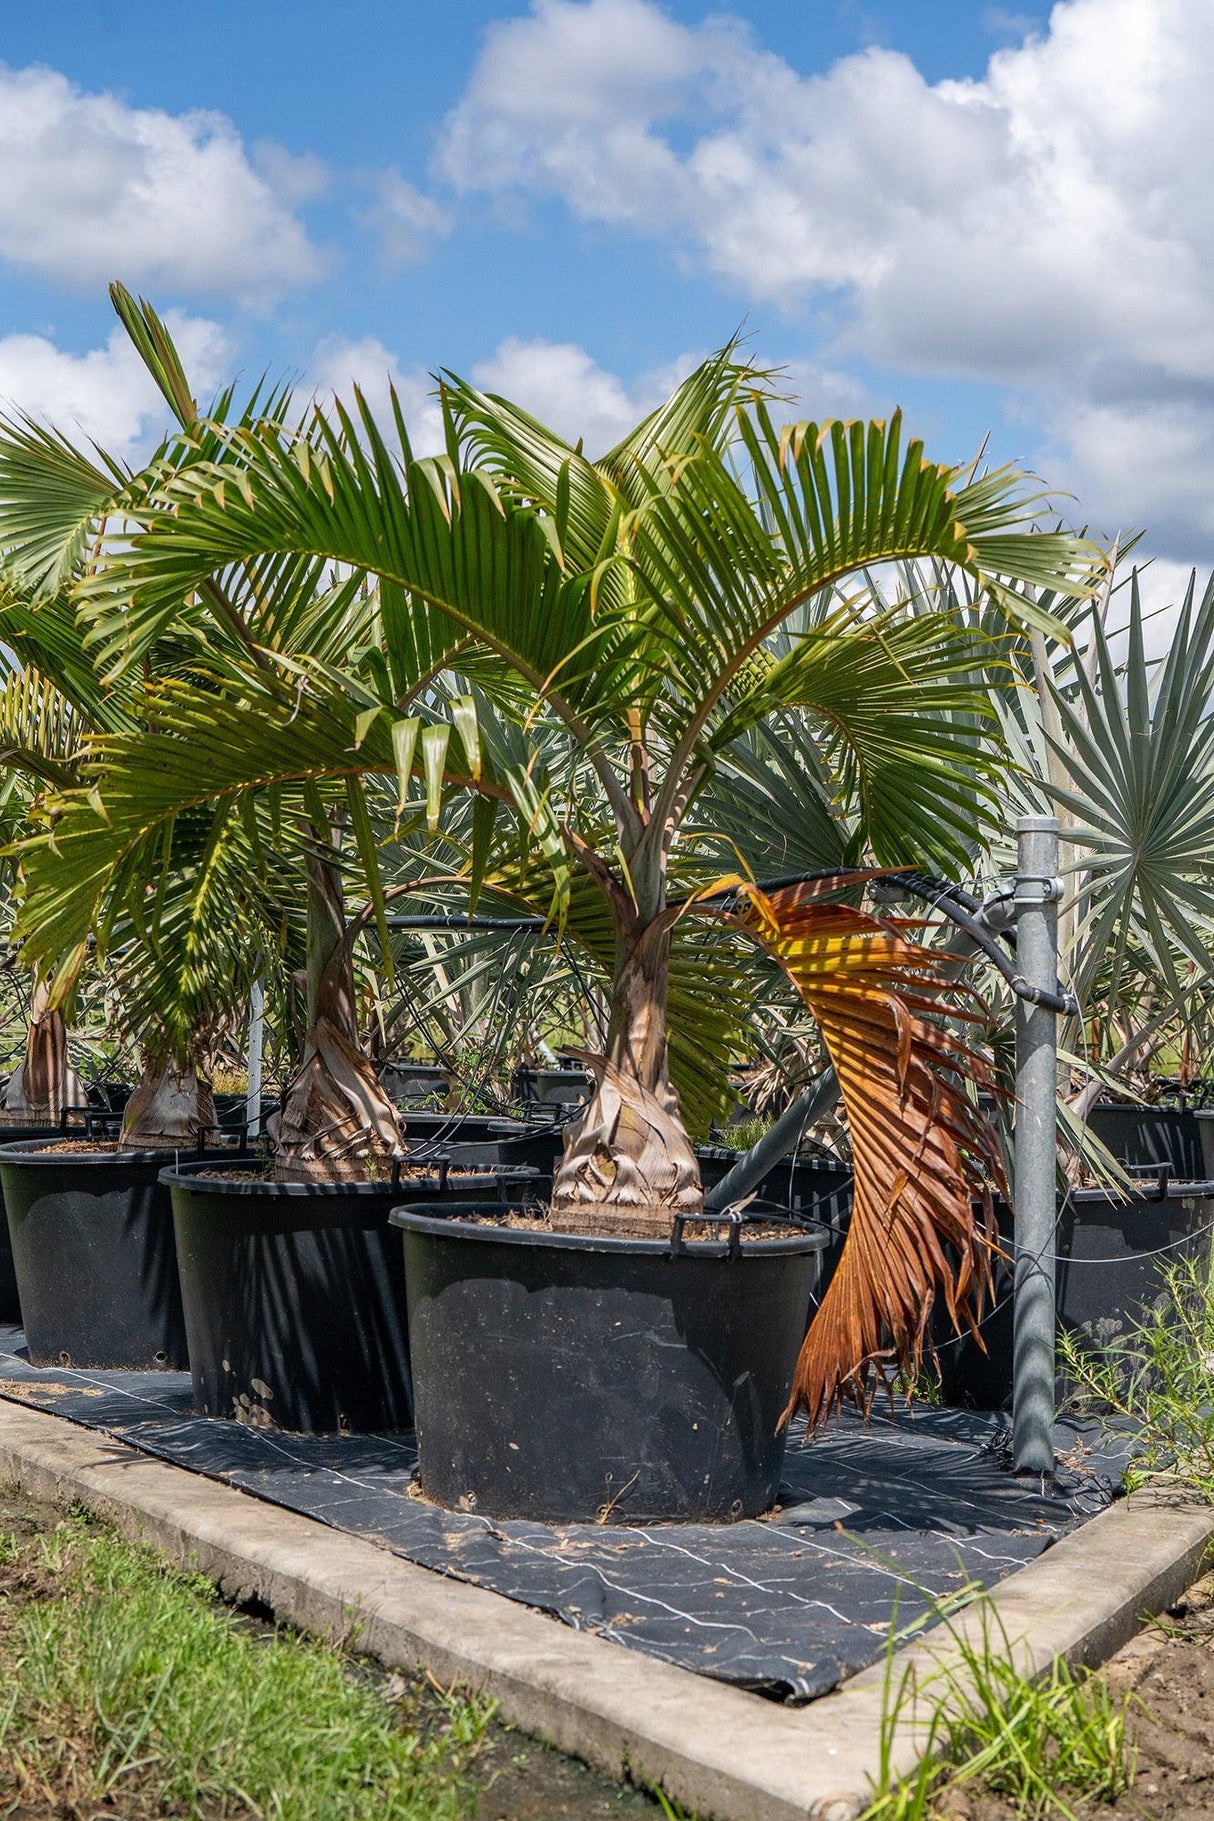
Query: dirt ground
516, 1778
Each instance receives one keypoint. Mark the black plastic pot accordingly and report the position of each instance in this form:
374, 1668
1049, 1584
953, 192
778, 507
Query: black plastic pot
294, 1297
1111, 1254
92, 1241
551, 1087
110, 1096
566, 1379
10, 1302
233, 1109
480, 1141
1152, 1135
1205, 1132
407, 1081
795, 1182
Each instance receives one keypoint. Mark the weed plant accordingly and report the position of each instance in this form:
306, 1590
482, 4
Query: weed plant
1158, 1386
1038, 1743
126, 1687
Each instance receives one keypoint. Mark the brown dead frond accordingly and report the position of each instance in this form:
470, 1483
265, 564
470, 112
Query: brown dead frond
924, 1155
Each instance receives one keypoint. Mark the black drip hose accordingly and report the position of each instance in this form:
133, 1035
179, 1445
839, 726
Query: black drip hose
958, 905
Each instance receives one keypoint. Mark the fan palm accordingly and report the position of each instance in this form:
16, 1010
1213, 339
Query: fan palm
1122, 748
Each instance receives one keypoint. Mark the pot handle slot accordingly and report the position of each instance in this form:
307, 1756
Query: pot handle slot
730, 1218
1162, 1172
239, 1126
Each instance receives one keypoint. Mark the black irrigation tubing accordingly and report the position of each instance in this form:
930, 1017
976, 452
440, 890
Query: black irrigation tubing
960, 906
453, 920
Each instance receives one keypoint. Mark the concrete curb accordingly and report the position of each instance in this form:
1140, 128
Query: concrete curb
725, 1754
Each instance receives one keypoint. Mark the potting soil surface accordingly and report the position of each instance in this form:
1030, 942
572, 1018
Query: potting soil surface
880, 1525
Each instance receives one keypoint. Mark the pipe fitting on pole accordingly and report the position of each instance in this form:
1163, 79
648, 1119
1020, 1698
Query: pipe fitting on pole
1038, 891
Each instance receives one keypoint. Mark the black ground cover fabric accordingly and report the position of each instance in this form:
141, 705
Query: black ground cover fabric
875, 1520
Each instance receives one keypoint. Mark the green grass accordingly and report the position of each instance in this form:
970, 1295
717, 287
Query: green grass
1040, 1744
125, 1683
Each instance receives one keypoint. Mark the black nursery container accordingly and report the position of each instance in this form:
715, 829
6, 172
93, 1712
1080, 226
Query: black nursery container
569, 1379
407, 1081
1111, 1253
483, 1142
294, 1296
794, 1182
551, 1087
93, 1254
1144, 1136
10, 1303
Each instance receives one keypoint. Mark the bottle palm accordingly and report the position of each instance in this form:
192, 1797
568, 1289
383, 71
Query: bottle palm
628, 611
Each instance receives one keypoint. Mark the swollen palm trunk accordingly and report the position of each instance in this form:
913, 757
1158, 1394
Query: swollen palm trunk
336, 1122
171, 1104
44, 1082
629, 1166
335, 1115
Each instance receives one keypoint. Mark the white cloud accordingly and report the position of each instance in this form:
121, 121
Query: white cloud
560, 383
92, 189
1140, 464
557, 382
1049, 227
107, 393
406, 220
998, 225
338, 365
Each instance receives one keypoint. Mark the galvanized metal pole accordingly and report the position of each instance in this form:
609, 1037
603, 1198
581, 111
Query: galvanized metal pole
257, 1020
1037, 894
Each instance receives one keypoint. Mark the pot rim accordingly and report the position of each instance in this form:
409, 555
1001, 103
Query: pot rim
36, 1152
813, 1237
1148, 1195
716, 1151
185, 1175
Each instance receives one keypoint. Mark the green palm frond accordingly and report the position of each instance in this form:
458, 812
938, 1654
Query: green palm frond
41, 734
772, 804
1137, 741
53, 497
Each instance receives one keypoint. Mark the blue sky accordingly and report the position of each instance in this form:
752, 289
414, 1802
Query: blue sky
990, 215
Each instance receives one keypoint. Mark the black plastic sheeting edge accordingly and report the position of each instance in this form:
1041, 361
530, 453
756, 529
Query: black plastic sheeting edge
879, 1524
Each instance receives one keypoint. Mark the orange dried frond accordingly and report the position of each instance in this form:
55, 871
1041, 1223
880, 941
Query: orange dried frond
923, 1154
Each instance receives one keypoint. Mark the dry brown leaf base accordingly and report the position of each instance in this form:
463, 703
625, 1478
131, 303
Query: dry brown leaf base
628, 1167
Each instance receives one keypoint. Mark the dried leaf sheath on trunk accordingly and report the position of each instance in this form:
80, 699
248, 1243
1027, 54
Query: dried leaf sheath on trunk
44, 1081
335, 1114
629, 1166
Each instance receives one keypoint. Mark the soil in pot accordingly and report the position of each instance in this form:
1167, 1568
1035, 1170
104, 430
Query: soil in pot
571, 1379
93, 1255
294, 1294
